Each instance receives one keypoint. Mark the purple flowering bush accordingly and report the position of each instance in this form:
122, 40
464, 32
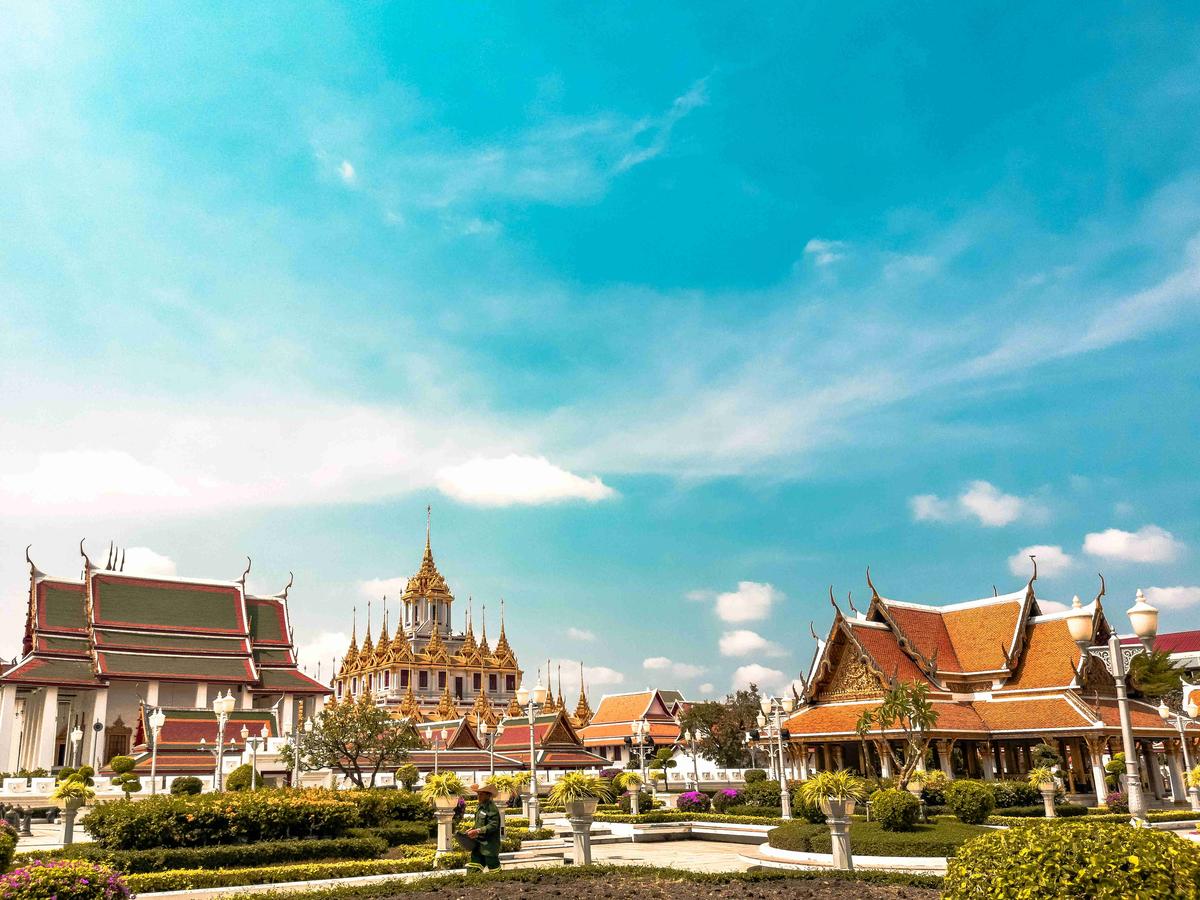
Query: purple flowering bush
1117, 802
62, 879
8, 845
723, 799
693, 801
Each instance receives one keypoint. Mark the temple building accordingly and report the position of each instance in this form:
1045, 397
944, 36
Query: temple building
1003, 676
424, 670
610, 731
98, 650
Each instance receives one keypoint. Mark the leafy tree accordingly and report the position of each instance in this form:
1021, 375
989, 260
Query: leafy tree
904, 708
241, 779
408, 775
1153, 675
124, 776
356, 738
1044, 755
662, 760
720, 727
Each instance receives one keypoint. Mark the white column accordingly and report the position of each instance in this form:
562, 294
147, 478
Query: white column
987, 761
1175, 770
1153, 772
1096, 752
152, 693
202, 695
945, 763
247, 699
47, 730
287, 714
91, 737
8, 733
885, 761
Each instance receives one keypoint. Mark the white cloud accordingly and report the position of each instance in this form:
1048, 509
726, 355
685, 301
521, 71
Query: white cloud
374, 588
1051, 560
743, 643
914, 264
516, 479
602, 675
750, 602
679, 669
825, 252
1179, 597
144, 561
580, 634
1051, 606
699, 596
766, 679
659, 132
981, 500
1149, 544
346, 171
325, 646
706, 689
64, 478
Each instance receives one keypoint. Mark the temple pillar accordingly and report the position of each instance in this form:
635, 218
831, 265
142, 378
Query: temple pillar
885, 761
152, 693
1068, 758
8, 731
92, 739
246, 700
987, 762
1096, 748
43, 754
288, 714
839, 756
202, 695
1153, 772
803, 761
945, 761
826, 762
1175, 773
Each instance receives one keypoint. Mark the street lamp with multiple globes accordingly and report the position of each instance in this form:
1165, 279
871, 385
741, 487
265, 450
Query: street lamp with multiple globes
489, 735
1116, 658
253, 743
1181, 722
222, 705
309, 725
778, 707
690, 739
157, 719
443, 734
530, 701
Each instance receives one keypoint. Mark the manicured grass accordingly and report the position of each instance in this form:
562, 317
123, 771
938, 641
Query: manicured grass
869, 839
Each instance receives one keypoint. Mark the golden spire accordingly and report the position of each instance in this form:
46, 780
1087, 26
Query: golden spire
504, 655
550, 705
428, 582
409, 708
384, 645
468, 645
583, 709
446, 708
484, 649
482, 710
367, 647
514, 708
351, 656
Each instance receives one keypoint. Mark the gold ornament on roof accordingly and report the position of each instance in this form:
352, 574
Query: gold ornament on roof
409, 707
428, 583
446, 709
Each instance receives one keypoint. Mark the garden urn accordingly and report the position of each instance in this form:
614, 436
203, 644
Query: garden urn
69, 806
1047, 789
1194, 793
443, 810
837, 816
580, 813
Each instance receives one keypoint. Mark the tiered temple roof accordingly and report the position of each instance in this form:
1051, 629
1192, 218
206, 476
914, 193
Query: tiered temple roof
617, 713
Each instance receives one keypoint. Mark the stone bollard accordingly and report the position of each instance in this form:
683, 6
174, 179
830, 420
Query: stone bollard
837, 815
445, 822
1194, 794
1048, 800
68, 834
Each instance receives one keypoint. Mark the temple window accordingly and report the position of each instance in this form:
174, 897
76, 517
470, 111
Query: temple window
441, 681
510, 683
404, 678
476, 681
458, 687
492, 683
422, 680
387, 679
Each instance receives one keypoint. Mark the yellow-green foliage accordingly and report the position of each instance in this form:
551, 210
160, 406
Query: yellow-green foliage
1080, 859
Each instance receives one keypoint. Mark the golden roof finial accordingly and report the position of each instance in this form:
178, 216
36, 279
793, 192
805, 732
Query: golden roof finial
483, 641
428, 530
583, 709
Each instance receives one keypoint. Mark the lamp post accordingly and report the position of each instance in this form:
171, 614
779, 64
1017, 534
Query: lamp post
253, 743
1116, 658
76, 744
157, 720
750, 746
1180, 723
489, 736
690, 739
779, 706
308, 729
222, 706
531, 700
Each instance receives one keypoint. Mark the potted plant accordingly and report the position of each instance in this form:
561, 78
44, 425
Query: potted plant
836, 793
443, 789
579, 793
1194, 791
1042, 778
505, 786
70, 794
631, 782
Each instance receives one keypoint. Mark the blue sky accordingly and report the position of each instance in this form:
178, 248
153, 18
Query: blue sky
676, 317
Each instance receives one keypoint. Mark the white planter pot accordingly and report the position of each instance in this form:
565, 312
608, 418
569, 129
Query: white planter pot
445, 802
584, 808
837, 809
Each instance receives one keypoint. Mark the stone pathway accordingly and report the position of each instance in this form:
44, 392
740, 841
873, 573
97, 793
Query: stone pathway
693, 856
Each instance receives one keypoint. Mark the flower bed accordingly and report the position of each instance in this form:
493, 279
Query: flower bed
673, 816
1063, 810
220, 818
870, 839
1123, 818
218, 856
422, 860
62, 879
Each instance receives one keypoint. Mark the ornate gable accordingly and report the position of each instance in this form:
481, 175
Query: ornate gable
850, 678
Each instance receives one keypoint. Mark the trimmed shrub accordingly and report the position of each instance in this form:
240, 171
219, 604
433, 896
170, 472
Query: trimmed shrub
1014, 793
755, 812
383, 806
869, 839
750, 776
188, 785
693, 801
1077, 859
803, 809
63, 879
8, 845
407, 776
365, 846
1117, 802
240, 779
725, 798
397, 834
764, 794
123, 775
645, 802
220, 818
895, 810
1063, 810
971, 801
795, 836
933, 787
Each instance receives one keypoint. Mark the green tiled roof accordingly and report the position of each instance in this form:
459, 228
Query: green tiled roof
273, 657
39, 669
60, 606
174, 666
291, 681
147, 603
59, 643
266, 620
109, 639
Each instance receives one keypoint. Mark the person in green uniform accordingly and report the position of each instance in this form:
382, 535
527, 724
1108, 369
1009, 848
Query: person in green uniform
486, 854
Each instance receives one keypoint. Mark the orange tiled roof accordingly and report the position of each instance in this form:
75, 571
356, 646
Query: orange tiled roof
881, 644
1031, 714
841, 718
622, 707
615, 732
982, 634
1141, 715
927, 630
1049, 658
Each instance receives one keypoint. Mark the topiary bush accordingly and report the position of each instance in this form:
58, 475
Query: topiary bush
1117, 802
187, 785
693, 801
895, 810
725, 798
382, 806
1063, 810
933, 787
1077, 859
408, 775
971, 801
240, 779
123, 775
803, 809
63, 879
8, 845
764, 794
750, 776
1014, 793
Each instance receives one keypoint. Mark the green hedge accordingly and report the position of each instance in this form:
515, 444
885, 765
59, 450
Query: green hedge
383, 806
219, 856
398, 833
186, 879
1121, 818
1080, 859
1064, 811
870, 839
673, 816
220, 818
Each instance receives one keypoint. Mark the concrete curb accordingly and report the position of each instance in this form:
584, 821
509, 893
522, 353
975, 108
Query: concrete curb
773, 858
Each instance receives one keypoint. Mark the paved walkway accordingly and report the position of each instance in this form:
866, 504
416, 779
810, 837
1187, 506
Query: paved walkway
693, 856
